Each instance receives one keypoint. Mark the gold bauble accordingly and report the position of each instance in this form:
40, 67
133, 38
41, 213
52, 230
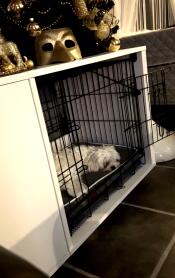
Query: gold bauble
29, 64
15, 6
114, 45
103, 31
33, 28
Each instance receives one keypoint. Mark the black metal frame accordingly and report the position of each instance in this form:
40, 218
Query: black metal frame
99, 105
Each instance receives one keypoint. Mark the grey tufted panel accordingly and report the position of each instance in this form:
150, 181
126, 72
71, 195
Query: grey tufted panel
160, 51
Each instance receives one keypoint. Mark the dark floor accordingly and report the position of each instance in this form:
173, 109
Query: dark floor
138, 239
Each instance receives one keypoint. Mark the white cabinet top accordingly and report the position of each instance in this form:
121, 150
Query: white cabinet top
39, 71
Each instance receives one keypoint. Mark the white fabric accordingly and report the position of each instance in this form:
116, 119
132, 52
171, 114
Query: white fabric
126, 12
172, 5
141, 16
165, 148
138, 15
159, 10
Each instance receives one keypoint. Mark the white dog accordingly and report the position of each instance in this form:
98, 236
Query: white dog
69, 166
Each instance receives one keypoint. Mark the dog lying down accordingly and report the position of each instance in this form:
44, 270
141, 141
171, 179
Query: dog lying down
69, 161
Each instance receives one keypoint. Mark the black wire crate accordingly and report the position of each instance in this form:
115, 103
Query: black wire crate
99, 125
163, 102
161, 121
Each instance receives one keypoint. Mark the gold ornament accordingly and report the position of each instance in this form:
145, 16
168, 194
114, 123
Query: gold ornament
103, 31
114, 45
10, 58
89, 21
90, 24
15, 6
7, 68
56, 45
80, 8
108, 18
33, 28
29, 64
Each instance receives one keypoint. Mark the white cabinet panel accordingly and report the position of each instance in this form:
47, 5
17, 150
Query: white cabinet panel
29, 215
32, 216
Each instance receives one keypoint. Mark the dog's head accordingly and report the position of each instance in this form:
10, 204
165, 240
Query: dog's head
105, 158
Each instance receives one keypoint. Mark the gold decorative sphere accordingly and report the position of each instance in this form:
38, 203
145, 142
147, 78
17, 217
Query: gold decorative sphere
114, 45
33, 28
29, 64
15, 6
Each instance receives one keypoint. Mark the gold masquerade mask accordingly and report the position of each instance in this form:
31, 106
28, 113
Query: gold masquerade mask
57, 45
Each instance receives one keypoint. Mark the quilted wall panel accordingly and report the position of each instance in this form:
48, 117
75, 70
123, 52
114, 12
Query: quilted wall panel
160, 52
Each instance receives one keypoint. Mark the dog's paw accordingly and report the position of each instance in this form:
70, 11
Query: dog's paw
76, 188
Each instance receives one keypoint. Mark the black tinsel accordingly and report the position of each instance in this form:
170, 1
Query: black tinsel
99, 17
114, 29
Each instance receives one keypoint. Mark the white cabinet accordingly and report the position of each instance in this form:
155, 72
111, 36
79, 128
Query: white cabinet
32, 216
29, 216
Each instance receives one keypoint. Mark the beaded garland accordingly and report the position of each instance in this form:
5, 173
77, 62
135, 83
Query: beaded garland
41, 12
48, 11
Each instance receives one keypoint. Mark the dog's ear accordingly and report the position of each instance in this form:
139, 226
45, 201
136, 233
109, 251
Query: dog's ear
106, 163
93, 166
109, 164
